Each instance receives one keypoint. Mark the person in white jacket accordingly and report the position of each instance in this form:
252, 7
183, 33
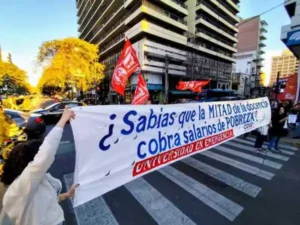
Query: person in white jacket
261, 136
33, 195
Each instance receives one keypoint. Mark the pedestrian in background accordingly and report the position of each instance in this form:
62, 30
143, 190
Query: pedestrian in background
261, 136
278, 120
32, 195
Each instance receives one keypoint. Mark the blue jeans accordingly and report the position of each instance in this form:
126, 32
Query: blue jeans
273, 142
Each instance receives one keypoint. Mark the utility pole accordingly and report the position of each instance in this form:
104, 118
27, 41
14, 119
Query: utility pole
167, 80
277, 85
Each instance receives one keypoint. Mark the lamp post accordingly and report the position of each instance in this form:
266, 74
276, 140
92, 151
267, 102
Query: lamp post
277, 89
167, 79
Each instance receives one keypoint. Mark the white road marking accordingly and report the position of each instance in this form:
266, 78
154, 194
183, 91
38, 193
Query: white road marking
160, 208
239, 165
97, 210
250, 149
284, 146
265, 145
219, 203
233, 181
64, 142
252, 158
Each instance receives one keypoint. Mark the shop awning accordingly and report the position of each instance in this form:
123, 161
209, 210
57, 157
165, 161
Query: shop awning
176, 92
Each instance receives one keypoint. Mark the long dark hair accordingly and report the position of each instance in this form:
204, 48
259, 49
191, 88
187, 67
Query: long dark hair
18, 159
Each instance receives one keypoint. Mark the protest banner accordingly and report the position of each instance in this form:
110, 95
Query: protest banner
116, 144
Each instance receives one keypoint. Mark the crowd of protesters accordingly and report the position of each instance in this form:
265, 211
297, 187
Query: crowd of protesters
276, 129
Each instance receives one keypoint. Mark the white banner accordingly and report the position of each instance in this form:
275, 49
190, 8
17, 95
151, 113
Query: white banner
116, 144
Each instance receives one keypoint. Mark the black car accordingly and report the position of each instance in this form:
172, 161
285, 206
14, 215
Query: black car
33, 123
52, 113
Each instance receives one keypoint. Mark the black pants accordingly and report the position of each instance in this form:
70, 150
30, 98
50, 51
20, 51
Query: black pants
259, 140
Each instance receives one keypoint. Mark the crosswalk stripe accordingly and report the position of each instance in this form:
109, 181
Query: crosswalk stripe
265, 145
160, 208
233, 181
239, 165
104, 214
256, 159
284, 146
250, 149
222, 205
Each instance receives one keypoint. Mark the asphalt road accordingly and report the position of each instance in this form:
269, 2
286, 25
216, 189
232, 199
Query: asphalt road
230, 184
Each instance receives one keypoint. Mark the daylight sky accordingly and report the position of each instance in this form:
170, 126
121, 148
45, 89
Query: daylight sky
25, 24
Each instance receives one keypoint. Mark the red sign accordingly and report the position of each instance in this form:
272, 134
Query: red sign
287, 88
127, 64
141, 93
291, 88
177, 153
195, 86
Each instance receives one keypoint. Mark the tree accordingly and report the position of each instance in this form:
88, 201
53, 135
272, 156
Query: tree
13, 79
70, 61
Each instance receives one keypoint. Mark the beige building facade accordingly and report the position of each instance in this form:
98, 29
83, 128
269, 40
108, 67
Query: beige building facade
286, 64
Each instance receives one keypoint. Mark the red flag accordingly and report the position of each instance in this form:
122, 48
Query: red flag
195, 86
141, 93
127, 64
198, 89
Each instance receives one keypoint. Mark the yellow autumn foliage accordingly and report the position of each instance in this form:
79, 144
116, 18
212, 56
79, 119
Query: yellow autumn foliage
70, 60
13, 77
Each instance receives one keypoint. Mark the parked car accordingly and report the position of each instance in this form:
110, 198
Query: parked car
52, 113
89, 101
183, 101
32, 123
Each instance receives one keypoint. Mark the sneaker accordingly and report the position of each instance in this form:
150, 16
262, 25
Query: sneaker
258, 150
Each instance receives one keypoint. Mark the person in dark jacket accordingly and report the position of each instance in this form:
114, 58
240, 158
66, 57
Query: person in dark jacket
278, 119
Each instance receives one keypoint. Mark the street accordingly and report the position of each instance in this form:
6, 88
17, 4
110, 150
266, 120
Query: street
229, 184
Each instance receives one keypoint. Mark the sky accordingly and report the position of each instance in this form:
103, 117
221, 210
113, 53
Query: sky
275, 19
26, 24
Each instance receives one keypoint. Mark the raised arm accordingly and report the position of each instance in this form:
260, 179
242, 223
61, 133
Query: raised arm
32, 175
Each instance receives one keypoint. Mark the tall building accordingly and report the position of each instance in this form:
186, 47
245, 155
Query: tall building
290, 34
286, 64
174, 40
250, 51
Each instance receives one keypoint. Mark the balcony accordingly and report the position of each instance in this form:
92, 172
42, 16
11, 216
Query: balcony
89, 12
88, 5
263, 30
97, 17
213, 13
220, 6
177, 5
112, 44
234, 5
113, 31
153, 29
262, 38
164, 15
113, 18
158, 50
215, 39
261, 44
211, 24
200, 47
80, 7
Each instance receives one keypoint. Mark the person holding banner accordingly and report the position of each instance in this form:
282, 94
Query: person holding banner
32, 195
